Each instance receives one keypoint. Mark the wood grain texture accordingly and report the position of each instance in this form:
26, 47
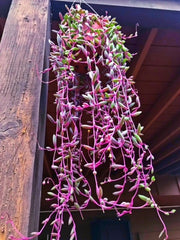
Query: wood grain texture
144, 51
21, 54
170, 132
169, 150
166, 99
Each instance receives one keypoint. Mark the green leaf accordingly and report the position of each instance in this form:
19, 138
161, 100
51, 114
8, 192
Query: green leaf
117, 193
120, 134
34, 233
118, 186
139, 128
148, 189
144, 198
98, 87
135, 141
153, 179
66, 17
74, 26
122, 121
117, 166
70, 220
51, 194
54, 167
87, 97
50, 118
173, 211
100, 192
72, 236
133, 188
86, 191
59, 159
112, 105
122, 105
138, 138
103, 103
87, 147
79, 179
77, 206
136, 113
86, 126
54, 140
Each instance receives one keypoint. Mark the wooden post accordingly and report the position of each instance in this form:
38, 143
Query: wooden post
22, 51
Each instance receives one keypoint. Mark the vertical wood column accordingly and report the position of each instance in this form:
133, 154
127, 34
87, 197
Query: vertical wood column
22, 117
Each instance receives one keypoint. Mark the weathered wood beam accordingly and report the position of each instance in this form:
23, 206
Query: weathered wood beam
22, 50
143, 53
152, 4
170, 132
39, 156
165, 100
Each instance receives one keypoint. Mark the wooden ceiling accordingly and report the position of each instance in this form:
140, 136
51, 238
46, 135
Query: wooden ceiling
157, 75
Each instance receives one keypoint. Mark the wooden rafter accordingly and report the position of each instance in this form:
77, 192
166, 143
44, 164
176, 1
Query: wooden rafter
175, 171
168, 150
165, 100
166, 164
144, 51
166, 136
22, 114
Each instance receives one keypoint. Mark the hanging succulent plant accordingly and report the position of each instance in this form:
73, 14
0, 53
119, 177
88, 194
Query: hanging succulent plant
98, 153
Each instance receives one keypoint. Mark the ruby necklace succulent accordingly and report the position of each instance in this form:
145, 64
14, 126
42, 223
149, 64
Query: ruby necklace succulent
98, 152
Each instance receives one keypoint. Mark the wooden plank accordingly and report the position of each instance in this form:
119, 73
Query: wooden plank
157, 73
152, 4
168, 150
165, 100
175, 171
170, 132
167, 56
144, 51
168, 37
21, 54
168, 165
150, 87
38, 165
